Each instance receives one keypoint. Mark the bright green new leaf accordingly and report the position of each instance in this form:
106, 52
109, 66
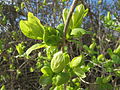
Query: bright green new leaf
59, 87
71, 88
46, 70
3, 87
110, 52
77, 32
64, 0
59, 61
32, 28
20, 48
78, 16
85, 68
100, 57
76, 61
117, 72
118, 29
90, 51
51, 36
50, 51
60, 27
34, 47
108, 16
32, 69
117, 50
76, 19
79, 72
64, 14
92, 46
22, 5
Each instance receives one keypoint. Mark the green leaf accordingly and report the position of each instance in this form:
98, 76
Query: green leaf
92, 46
75, 41
64, 14
115, 59
78, 16
106, 86
117, 72
90, 51
59, 61
99, 80
79, 72
20, 48
60, 78
46, 70
51, 36
76, 61
32, 28
3, 87
117, 50
64, 0
110, 52
32, 69
108, 16
78, 32
59, 87
34, 47
76, 20
108, 63
107, 79
118, 29
60, 27
45, 80
22, 5
50, 51
70, 88
100, 57
85, 68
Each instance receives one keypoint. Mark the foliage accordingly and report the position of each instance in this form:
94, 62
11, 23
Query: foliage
59, 71
77, 65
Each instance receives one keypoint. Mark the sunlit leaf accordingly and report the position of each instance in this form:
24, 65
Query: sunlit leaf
76, 61
51, 36
77, 32
34, 47
79, 72
32, 28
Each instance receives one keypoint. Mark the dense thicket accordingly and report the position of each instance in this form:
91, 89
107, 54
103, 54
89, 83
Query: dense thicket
102, 20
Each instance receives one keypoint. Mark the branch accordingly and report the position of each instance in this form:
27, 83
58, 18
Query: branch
69, 16
68, 20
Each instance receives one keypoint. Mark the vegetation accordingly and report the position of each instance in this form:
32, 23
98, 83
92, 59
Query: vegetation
75, 48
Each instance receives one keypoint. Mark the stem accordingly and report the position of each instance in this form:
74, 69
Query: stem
66, 27
67, 22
